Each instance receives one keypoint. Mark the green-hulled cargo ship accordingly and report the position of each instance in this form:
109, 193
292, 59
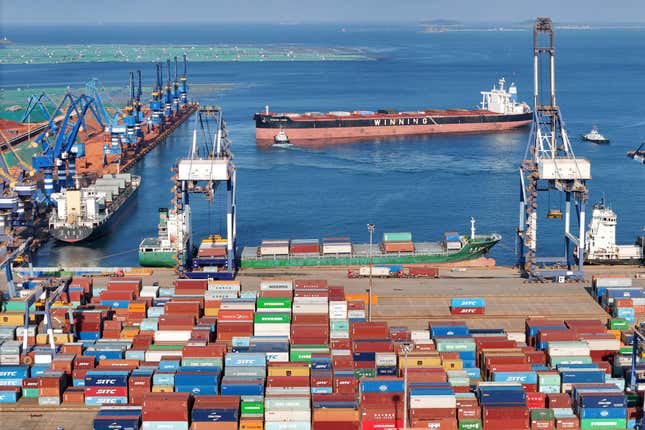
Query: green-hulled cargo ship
172, 241
467, 248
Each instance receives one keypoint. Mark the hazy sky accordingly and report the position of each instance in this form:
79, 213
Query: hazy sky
93, 11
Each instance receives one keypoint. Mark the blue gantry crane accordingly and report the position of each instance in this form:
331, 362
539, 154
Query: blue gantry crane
59, 148
175, 89
156, 117
168, 97
550, 165
183, 92
132, 116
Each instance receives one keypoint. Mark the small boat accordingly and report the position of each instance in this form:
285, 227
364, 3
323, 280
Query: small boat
595, 136
281, 140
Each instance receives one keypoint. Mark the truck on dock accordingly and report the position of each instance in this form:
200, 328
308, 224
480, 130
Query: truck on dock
395, 272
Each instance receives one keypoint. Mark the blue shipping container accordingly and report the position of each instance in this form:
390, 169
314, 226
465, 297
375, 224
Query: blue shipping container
468, 302
116, 424
11, 372
215, 415
381, 386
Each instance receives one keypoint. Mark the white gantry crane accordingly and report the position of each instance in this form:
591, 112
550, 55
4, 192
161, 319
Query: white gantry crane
550, 165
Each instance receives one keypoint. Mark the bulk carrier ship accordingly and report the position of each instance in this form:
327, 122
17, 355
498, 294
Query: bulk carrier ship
499, 110
86, 213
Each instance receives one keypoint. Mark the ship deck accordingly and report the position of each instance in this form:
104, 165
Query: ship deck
361, 250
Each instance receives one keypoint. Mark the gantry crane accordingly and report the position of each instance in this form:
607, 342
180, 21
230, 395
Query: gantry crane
209, 164
156, 118
175, 88
168, 97
183, 93
550, 165
638, 154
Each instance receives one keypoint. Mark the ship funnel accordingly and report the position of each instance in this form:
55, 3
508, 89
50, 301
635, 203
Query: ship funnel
266, 109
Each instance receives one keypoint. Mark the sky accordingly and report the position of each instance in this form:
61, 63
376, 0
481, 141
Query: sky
302, 11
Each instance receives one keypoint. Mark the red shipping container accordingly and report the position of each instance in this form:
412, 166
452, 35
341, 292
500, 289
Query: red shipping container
569, 423
198, 284
106, 391
469, 413
322, 319
558, 400
232, 316
467, 311
436, 424
369, 330
432, 413
536, 400
381, 425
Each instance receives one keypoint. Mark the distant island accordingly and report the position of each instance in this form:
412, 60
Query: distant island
442, 25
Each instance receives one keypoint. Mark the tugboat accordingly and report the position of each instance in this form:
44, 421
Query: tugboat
594, 136
281, 140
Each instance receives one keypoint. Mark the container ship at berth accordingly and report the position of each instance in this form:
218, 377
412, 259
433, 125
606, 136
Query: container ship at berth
86, 213
499, 110
396, 248
173, 237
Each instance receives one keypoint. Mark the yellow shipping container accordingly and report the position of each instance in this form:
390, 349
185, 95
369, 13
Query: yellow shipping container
59, 338
288, 371
211, 312
162, 389
136, 307
251, 424
129, 333
12, 318
453, 364
616, 333
419, 361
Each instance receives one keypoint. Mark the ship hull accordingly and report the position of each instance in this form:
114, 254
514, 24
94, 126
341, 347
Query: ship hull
614, 262
157, 259
473, 249
367, 128
79, 234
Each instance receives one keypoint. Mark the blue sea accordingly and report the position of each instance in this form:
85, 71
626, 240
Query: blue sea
425, 185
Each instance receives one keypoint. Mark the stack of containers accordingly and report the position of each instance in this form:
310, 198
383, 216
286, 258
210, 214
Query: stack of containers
232, 323
163, 411
452, 240
197, 380
305, 246
215, 413
600, 284
337, 245
397, 242
10, 349
244, 374
335, 418
115, 417
89, 324
356, 310
274, 247
215, 248
433, 405
282, 412
272, 317
368, 338
310, 324
106, 387
467, 306
11, 382
51, 385
503, 405
568, 352
381, 403
139, 384
597, 409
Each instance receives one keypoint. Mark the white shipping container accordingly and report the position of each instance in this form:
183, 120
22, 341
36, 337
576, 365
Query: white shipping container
310, 308
338, 315
150, 291
20, 331
227, 286
287, 425
574, 348
376, 271
276, 284
172, 335
613, 282
260, 329
10, 359
437, 401
424, 342
42, 358
287, 416
329, 248
339, 334
603, 344
337, 306
287, 391
238, 306
516, 336
419, 334
155, 355
341, 352
311, 300
277, 356
564, 168
356, 314
286, 404
274, 250
385, 359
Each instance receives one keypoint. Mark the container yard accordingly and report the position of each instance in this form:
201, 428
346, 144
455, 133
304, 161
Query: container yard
467, 350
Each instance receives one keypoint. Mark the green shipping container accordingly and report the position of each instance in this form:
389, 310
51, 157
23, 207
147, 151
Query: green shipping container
570, 360
339, 325
455, 345
627, 350
202, 361
30, 392
367, 373
618, 324
549, 379
271, 318
252, 408
603, 423
470, 425
156, 347
542, 414
397, 237
273, 303
303, 352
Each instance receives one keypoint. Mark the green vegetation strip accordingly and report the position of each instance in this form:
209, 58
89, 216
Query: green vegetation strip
52, 54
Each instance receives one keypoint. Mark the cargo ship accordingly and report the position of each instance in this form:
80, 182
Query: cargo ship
499, 110
173, 237
84, 214
600, 240
396, 248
